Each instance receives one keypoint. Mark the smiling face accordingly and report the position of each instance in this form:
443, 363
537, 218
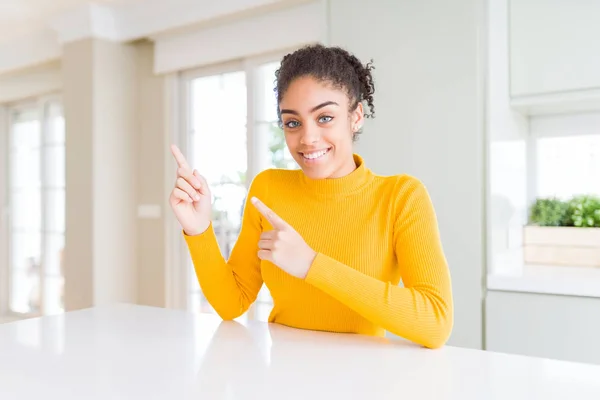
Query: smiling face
319, 127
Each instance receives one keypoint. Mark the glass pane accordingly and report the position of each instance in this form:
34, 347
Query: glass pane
53, 295
25, 290
25, 168
278, 150
219, 127
262, 311
55, 210
53, 254
218, 148
26, 209
25, 250
568, 166
55, 166
267, 111
264, 296
228, 204
25, 129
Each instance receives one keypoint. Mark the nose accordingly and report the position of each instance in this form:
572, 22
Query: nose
310, 135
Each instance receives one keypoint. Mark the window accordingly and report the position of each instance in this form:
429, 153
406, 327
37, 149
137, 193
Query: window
36, 208
565, 155
232, 134
568, 166
559, 156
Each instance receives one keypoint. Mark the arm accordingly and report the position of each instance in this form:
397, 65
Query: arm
422, 310
230, 286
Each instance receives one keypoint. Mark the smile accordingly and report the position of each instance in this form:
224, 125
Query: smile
315, 155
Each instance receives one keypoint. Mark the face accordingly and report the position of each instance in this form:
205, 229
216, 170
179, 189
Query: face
319, 128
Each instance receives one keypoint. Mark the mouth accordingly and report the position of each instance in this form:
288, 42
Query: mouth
315, 155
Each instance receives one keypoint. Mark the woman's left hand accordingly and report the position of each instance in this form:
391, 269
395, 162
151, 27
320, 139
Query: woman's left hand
283, 246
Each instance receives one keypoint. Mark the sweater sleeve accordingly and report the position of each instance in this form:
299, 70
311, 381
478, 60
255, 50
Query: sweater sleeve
422, 310
231, 286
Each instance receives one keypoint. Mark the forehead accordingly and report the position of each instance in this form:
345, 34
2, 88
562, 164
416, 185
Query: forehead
306, 92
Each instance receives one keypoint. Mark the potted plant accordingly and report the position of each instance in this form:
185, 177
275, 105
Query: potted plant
563, 232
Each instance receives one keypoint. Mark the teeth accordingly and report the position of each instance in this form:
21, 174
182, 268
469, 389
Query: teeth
317, 154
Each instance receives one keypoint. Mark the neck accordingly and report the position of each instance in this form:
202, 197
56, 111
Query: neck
346, 169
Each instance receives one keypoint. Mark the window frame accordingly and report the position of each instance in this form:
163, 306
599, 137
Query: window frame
42, 105
179, 92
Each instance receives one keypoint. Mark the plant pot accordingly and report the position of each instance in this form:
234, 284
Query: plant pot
570, 246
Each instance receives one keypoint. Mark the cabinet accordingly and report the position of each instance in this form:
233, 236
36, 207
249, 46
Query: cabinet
541, 325
554, 55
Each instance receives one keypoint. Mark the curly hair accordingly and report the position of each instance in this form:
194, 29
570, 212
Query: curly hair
332, 65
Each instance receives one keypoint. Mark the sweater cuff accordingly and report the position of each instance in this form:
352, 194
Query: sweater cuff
200, 238
323, 271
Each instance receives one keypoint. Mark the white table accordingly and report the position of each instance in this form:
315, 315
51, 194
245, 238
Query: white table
133, 352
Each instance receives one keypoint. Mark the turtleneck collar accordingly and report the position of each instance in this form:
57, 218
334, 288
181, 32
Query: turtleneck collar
345, 185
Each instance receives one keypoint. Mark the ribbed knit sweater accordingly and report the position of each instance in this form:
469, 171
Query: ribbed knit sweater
370, 233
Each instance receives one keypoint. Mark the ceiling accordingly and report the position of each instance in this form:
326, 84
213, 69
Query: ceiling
19, 17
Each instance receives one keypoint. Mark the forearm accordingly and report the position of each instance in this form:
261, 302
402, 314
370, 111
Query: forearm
224, 290
422, 313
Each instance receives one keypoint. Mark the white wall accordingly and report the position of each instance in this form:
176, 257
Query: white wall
559, 327
150, 176
241, 38
3, 212
115, 149
101, 161
429, 120
554, 46
29, 82
570, 124
507, 130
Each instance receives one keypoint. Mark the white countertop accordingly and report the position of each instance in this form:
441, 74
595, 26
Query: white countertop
548, 279
133, 352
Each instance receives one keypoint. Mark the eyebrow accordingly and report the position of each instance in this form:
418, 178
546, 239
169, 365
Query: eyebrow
315, 108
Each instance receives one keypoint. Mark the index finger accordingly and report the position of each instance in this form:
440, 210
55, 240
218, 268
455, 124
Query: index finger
179, 157
274, 219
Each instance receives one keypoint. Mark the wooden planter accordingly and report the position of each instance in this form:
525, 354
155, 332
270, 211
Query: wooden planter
562, 246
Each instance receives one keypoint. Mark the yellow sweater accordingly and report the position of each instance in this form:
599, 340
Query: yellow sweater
369, 232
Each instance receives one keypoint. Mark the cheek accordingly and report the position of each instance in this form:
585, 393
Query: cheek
291, 141
340, 136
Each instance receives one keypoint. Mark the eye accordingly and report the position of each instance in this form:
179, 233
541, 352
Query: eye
292, 124
324, 119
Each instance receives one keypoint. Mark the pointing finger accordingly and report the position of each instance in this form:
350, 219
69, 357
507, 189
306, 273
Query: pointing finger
274, 219
179, 157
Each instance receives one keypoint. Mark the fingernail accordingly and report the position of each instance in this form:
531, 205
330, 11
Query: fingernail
197, 197
253, 200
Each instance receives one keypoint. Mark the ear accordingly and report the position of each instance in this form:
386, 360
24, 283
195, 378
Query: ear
357, 118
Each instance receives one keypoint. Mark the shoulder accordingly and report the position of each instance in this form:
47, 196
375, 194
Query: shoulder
402, 186
276, 175
274, 178
407, 194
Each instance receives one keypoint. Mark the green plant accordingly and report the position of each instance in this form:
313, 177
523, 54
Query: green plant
548, 212
580, 211
584, 211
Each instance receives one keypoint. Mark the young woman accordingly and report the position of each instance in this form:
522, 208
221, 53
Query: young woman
332, 240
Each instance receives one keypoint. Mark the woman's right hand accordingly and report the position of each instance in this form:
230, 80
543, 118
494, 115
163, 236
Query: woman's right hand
190, 198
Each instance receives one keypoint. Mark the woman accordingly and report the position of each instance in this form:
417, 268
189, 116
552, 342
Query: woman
332, 240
